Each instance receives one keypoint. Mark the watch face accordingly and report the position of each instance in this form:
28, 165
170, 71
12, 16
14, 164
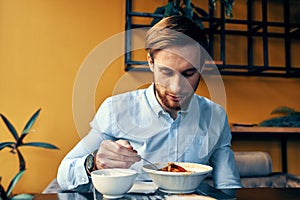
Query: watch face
90, 162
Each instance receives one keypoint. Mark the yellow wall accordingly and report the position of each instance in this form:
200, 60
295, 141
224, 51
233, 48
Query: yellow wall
42, 47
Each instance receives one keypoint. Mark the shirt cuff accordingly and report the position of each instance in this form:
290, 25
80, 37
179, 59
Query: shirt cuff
80, 172
72, 174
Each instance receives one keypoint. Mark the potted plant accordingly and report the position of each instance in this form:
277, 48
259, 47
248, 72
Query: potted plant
288, 117
188, 9
15, 149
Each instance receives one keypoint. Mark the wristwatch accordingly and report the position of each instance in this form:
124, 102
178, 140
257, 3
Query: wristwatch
90, 163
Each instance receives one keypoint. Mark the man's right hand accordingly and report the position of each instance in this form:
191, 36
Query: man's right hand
116, 154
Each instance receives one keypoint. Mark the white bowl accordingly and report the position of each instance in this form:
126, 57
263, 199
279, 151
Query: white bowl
178, 182
113, 183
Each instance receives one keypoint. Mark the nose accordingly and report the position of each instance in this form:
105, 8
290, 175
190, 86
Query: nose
178, 83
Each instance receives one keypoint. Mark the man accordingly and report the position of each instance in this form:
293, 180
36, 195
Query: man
165, 122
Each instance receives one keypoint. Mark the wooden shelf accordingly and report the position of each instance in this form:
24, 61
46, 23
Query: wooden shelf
260, 129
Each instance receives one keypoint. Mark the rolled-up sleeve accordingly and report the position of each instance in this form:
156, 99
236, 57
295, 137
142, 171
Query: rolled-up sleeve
71, 173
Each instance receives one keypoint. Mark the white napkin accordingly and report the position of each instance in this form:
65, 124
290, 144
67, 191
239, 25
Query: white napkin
143, 187
188, 197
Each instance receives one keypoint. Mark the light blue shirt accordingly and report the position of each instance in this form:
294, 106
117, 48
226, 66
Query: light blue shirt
200, 134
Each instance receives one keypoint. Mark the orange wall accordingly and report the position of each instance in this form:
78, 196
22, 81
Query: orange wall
43, 47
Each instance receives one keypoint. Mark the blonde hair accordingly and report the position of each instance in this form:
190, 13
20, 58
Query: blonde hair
174, 31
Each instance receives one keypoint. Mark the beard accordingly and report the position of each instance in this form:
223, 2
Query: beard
172, 105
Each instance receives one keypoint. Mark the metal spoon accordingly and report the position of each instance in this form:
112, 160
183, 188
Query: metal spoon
152, 164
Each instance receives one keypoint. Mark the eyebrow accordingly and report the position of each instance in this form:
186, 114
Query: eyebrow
163, 67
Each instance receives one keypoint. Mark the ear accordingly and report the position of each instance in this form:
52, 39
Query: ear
150, 61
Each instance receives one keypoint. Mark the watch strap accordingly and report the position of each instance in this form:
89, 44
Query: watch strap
90, 163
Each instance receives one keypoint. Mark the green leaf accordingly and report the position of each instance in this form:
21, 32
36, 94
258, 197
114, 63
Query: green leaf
284, 121
188, 9
10, 127
14, 181
21, 160
20, 140
40, 144
170, 9
188, 12
6, 144
283, 110
212, 3
30, 122
159, 10
228, 4
22, 196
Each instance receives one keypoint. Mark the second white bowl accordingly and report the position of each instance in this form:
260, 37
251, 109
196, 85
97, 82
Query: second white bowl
113, 183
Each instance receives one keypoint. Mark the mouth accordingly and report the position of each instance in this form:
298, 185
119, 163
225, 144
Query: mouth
174, 98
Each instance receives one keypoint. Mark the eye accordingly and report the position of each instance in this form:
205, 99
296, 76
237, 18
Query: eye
189, 72
166, 71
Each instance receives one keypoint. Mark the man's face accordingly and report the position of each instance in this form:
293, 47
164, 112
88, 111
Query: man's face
175, 76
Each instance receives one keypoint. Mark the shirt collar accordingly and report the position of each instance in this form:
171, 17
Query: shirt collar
156, 107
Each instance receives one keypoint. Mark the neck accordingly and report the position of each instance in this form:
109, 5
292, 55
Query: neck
173, 114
